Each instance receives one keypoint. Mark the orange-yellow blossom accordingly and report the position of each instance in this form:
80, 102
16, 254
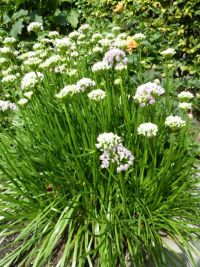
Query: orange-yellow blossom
131, 44
119, 7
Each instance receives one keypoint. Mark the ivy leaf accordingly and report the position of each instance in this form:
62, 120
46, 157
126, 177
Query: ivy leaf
72, 17
17, 28
20, 13
6, 19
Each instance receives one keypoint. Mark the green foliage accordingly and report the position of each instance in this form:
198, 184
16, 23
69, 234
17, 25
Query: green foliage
56, 198
174, 23
55, 14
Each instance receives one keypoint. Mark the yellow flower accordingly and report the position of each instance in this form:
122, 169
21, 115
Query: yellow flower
131, 44
119, 7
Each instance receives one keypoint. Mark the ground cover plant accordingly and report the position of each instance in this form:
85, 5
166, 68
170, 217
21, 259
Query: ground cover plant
97, 152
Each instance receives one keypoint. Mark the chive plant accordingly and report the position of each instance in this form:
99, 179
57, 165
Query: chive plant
96, 165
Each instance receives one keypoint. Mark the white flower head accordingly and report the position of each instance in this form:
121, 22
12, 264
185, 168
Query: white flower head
5, 50
9, 41
72, 72
63, 43
119, 43
50, 62
115, 56
100, 66
185, 106
105, 42
120, 67
174, 122
35, 27
168, 53
7, 105
118, 81
28, 95
139, 36
22, 102
97, 49
114, 152
53, 34
96, 37
85, 83
32, 62
148, 93
9, 78
3, 60
37, 46
31, 79
108, 141
148, 129
84, 28
97, 95
67, 90
185, 96
74, 35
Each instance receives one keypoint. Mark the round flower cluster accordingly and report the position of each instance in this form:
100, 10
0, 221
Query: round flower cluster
100, 66
139, 36
115, 56
97, 49
168, 52
50, 62
108, 141
74, 35
9, 78
148, 93
114, 152
148, 129
22, 102
53, 34
185, 96
105, 42
35, 27
84, 28
5, 50
63, 43
3, 60
60, 68
27, 55
9, 41
97, 95
67, 90
31, 79
185, 106
85, 83
119, 43
96, 37
7, 105
32, 62
174, 122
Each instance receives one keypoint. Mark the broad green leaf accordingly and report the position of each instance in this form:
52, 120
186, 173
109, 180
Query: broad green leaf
17, 28
6, 19
20, 13
72, 18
